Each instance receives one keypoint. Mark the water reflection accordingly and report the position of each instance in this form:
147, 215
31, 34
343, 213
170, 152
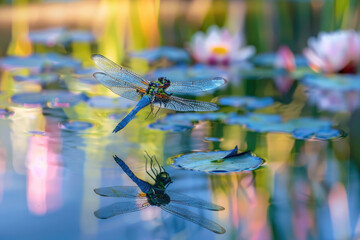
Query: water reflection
155, 194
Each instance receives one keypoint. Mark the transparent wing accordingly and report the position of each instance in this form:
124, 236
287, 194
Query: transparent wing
179, 198
118, 72
196, 86
184, 105
187, 215
120, 191
121, 88
121, 208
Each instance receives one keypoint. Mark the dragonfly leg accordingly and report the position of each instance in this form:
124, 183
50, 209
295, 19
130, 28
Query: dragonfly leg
146, 160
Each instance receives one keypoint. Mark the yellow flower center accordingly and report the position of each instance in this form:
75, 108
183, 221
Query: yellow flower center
219, 50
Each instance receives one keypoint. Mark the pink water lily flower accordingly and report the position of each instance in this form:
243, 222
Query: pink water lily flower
218, 46
334, 52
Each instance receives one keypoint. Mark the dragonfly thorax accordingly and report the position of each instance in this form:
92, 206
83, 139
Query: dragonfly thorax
158, 198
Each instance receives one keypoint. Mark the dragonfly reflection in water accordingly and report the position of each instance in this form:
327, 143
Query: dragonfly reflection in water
157, 93
156, 194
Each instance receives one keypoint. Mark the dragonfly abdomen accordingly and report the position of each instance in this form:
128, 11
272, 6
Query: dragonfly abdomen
144, 186
144, 101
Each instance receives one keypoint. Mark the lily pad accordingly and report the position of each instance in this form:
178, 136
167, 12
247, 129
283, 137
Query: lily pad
39, 62
250, 103
213, 139
172, 126
108, 102
60, 36
75, 125
300, 128
195, 117
268, 60
43, 78
318, 134
338, 82
173, 54
254, 119
219, 162
55, 98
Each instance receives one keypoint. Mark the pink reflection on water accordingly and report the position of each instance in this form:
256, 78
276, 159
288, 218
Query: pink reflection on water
44, 175
2, 170
339, 211
302, 219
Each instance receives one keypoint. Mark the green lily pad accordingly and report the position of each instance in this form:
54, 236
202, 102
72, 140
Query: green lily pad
219, 162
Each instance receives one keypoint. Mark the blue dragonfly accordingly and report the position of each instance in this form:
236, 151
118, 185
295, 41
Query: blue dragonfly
156, 194
158, 93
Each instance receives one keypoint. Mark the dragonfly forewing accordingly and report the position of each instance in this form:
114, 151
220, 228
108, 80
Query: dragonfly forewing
118, 87
118, 72
196, 86
121, 208
182, 199
120, 191
190, 216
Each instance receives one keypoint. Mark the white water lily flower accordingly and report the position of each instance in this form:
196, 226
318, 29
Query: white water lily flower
334, 52
218, 46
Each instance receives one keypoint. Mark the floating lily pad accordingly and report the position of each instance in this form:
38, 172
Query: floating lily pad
300, 128
219, 162
268, 60
250, 103
339, 82
213, 139
173, 54
57, 36
43, 78
172, 126
75, 125
38, 62
5, 113
55, 98
107, 102
195, 117
254, 119
319, 134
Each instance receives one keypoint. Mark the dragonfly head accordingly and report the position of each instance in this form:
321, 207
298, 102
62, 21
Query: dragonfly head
163, 179
164, 81
157, 172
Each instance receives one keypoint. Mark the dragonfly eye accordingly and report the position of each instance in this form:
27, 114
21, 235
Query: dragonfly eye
162, 80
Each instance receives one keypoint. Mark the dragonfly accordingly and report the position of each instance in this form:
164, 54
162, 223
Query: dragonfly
157, 194
158, 93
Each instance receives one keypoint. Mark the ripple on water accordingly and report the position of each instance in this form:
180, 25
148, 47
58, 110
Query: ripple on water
75, 125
